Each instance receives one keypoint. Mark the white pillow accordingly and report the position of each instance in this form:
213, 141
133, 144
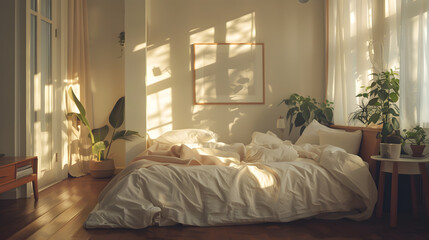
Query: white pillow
310, 134
349, 141
278, 153
186, 136
268, 138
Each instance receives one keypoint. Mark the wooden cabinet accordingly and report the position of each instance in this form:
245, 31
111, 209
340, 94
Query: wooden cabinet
10, 166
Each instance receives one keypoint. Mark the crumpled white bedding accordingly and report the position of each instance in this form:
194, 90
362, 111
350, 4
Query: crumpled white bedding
166, 190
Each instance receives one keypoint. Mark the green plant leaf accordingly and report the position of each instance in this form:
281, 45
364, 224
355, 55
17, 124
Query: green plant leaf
76, 101
116, 117
395, 123
301, 130
373, 101
394, 97
100, 133
393, 112
299, 120
374, 118
79, 106
329, 114
386, 130
98, 147
306, 114
383, 95
125, 135
291, 112
82, 112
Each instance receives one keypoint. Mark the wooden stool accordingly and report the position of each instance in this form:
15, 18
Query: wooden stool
403, 165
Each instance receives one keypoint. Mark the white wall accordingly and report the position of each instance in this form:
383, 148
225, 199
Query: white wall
293, 34
294, 39
135, 74
105, 22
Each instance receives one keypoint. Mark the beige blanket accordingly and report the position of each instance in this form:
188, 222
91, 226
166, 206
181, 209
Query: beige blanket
179, 155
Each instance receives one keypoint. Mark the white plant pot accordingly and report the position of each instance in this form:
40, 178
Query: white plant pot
390, 150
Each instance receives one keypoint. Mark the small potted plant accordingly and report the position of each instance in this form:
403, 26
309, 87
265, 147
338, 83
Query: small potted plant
102, 166
417, 138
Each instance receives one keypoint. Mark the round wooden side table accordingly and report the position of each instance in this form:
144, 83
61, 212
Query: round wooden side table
403, 165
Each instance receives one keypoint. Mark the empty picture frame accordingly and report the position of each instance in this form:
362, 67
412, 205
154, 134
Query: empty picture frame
228, 73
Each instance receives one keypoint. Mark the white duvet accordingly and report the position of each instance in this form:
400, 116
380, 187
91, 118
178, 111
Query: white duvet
166, 190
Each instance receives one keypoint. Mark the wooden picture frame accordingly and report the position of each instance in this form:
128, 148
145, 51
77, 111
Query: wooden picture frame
228, 73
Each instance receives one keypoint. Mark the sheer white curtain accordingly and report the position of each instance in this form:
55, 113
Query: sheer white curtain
414, 54
78, 77
376, 35
350, 34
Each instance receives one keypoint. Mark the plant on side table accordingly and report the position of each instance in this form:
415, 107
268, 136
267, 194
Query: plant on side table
417, 139
102, 166
302, 110
379, 107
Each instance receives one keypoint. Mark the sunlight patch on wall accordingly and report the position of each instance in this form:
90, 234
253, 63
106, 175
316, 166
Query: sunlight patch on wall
205, 55
158, 68
370, 17
241, 83
37, 89
353, 24
48, 96
206, 86
201, 122
202, 36
241, 29
139, 47
159, 113
270, 88
234, 122
387, 8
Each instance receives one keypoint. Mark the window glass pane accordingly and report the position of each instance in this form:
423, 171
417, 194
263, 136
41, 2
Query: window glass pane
46, 90
33, 5
45, 8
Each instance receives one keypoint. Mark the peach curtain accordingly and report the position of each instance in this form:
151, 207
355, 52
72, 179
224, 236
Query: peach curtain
78, 76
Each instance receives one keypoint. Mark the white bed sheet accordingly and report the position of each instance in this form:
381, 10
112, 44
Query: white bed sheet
337, 185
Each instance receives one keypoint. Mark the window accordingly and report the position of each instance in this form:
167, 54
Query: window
42, 82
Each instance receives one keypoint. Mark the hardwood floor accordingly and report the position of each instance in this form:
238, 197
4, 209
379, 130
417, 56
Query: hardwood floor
63, 208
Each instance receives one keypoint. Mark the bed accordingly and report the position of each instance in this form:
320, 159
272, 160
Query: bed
187, 177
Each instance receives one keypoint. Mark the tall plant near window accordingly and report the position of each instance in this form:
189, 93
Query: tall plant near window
379, 105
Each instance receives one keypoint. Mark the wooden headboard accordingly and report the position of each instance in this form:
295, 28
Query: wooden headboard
370, 144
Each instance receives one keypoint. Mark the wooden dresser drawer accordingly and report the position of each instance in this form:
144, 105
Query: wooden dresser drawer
7, 174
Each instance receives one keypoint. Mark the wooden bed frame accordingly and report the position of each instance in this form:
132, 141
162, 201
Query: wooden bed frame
370, 144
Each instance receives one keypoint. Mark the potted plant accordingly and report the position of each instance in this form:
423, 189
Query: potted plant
302, 110
417, 138
379, 107
102, 166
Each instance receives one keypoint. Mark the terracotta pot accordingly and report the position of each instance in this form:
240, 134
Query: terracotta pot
390, 150
418, 150
102, 169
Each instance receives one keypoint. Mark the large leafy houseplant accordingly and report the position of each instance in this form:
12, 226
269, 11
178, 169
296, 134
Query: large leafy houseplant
379, 105
98, 135
302, 110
